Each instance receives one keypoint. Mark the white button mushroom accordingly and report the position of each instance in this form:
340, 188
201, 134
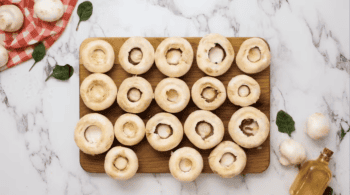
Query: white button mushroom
49, 10
4, 56
292, 153
317, 126
11, 18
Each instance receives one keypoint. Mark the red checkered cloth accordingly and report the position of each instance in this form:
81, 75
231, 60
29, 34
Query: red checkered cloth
20, 44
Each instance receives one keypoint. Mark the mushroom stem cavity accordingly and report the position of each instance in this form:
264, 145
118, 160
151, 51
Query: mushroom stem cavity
173, 56
172, 95
98, 57
93, 134
254, 54
217, 54
204, 129
120, 163
249, 127
227, 159
134, 94
243, 91
185, 165
97, 91
135, 56
130, 129
164, 131
209, 94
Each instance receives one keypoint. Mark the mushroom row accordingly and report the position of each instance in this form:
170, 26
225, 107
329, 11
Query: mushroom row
98, 92
174, 56
248, 127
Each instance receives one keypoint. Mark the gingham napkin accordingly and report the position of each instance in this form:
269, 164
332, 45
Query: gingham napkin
21, 43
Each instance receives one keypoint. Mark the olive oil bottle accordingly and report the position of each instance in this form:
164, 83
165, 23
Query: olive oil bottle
314, 176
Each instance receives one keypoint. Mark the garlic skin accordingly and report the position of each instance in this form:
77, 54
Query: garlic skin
11, 18
4, 56
292, 153
317, 126
49, 10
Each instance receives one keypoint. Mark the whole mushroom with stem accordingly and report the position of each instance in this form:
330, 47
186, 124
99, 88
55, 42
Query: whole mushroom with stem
292, 153
4, 56
11, 18
317, 126
49, 10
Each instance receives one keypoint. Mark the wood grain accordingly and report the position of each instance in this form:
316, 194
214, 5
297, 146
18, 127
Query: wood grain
152, 161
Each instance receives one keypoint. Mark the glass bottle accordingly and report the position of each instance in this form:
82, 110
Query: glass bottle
314, 176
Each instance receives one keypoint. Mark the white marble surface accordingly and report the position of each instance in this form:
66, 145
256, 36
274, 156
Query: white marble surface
309, 73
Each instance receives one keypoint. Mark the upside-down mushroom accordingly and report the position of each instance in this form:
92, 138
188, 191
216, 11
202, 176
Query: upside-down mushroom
98, 91
249, 127
215, 54
204, 129
121, 163
135, 95
136, 56
253, 56
164, 131
97, 56
227, 159
243, 90
186, 164
172, 95
94, 134
174, 56
129, 129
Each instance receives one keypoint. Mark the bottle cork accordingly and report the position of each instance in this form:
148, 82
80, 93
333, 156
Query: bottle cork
327, 153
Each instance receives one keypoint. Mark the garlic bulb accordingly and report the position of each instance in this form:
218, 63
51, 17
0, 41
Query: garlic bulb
292, 153
11, 18
49, 10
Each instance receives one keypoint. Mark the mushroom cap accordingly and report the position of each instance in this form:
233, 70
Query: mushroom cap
317, 126
98, 91
234, 86
205, 44
170, 142
196, 164
131, 167
107, 134
233, 169
200, 85
204, 116
49, 10
129, 129
239, 137
292, 152
185, 61
146, 95
169, 87
147, 55
11, 18
97, 56
4, 56
244, 64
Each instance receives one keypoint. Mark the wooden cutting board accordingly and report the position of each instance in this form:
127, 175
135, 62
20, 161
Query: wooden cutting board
152, 161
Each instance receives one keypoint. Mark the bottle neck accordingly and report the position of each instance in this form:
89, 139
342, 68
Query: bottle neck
324, 158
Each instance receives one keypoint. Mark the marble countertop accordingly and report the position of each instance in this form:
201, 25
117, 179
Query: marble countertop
309, 43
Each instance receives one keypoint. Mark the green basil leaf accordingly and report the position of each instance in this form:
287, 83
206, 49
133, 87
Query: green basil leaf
61, 72
342, 133
38, 53
285, 123
84, 11
328, 191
